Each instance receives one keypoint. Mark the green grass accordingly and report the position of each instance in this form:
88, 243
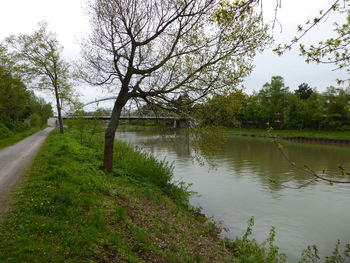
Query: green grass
338, 135
16, 137
69, 210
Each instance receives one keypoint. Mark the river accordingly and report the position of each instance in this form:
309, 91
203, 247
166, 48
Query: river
240, 187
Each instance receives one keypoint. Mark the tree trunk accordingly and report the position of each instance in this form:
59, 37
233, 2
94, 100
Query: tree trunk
60, 119
59, 115
110, 135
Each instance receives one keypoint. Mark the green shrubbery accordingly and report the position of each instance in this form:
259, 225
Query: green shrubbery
13, 132
35, 120
249, 251
4, 131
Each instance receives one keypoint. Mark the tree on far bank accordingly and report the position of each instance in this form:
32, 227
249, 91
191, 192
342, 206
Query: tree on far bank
39, 57
304, 91
223, 109
273, 97
155, 50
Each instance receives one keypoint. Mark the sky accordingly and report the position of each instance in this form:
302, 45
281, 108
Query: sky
69, 20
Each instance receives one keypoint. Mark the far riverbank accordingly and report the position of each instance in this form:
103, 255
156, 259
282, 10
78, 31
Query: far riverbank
339, 137
329, 137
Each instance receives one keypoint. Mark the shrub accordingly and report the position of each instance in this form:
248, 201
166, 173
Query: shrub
35, 120
248, 250
4, 131
21, 126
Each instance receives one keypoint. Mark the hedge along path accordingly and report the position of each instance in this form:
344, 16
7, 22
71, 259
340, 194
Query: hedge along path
13, 162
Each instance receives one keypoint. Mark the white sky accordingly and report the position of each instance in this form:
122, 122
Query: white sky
69, 20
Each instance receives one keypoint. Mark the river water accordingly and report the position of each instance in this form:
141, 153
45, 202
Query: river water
240, 187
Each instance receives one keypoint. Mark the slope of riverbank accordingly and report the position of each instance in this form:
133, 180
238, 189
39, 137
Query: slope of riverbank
69, 210
320, 136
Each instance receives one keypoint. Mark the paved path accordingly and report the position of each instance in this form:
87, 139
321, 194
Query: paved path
13, 162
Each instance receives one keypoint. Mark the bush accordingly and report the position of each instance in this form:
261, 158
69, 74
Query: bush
35, 120
4, 131
21, 126
248, 250
7, 122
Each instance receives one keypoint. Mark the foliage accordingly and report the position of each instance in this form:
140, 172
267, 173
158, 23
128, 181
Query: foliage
304, 91
249, 251
14, 96
17, 132
35, 120
273, 98
156, 50
335, 50
88, 129
17, 103
222, 109
4, 131
304, 108
38, 57
310, 255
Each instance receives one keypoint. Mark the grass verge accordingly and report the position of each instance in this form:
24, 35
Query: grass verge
16, 137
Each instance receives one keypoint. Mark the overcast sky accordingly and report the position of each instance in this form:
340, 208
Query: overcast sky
69, 20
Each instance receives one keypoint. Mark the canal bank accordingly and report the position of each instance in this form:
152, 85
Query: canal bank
242, 181
323, 137
69, 210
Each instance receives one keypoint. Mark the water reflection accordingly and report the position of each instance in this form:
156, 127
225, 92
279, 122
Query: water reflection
245, 155
240, 187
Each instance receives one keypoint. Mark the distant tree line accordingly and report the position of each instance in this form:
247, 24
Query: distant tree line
304, 108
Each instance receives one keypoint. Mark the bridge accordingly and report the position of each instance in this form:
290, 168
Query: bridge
177, 122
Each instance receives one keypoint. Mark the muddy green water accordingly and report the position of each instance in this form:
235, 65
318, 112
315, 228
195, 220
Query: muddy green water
240, 188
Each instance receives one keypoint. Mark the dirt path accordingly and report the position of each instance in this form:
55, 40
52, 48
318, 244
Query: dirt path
13, 162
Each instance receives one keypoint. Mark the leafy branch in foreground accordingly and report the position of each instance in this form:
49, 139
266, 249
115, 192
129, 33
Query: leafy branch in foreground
335, 50
343, 170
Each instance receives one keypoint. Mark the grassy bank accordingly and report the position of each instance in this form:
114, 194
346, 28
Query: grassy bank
8, 137
337, 135
69, 210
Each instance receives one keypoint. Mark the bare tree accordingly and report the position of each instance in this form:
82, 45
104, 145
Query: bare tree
155, 50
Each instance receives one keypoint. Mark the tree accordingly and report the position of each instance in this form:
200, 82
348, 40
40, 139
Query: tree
155, 50
273, 97
41, 107
13, 95
337, 103
304, 91
223, 109
39, 57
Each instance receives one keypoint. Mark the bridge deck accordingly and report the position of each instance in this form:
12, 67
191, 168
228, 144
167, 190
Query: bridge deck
123, 118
